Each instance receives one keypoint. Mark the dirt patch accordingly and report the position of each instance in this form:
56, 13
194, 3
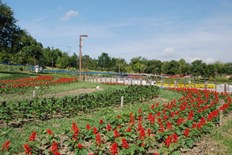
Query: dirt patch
206, 146
72, 92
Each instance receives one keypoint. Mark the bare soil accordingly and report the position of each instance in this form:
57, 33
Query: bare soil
72, 92
208, 146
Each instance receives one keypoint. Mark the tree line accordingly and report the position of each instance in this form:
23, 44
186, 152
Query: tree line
18, 46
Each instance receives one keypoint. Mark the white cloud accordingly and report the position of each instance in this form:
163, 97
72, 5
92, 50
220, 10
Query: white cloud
69, 14
169, 53
208, 40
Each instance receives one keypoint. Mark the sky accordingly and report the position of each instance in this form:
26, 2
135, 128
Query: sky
154, 29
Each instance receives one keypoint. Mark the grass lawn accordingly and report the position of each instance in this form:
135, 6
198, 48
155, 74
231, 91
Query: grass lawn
53, 89
223, 135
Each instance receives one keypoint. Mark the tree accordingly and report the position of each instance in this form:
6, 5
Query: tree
228, 68
9, 31
118, 65
153, 67
138, 64
63, 61
210, 70
219, 68
170, 68
198, 68
184, 68
104, 61
88, 62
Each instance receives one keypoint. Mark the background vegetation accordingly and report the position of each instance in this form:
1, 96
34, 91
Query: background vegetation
17, 46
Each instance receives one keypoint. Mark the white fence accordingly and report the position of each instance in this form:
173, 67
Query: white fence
131, 81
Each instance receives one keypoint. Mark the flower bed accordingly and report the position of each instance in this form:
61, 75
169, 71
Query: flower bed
181, 85
48, 108
158, 129
41, 80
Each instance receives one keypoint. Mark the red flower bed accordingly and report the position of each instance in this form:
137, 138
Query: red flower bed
160, 129
40, 80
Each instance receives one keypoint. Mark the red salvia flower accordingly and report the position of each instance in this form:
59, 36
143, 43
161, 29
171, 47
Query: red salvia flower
95, 131
118, 116
161, 127
151, 118
56, 153
180, 120
224, 107
75, 130
6, 145
168, 141
88, 127
148, 131
27, 149
141, 134
98, 139
32, 136
49, 132
186, 132
140, 126
75, 127
212, 115
132, 119
174, 138
194, 125
157, 104
169, 125
190, 115
54, 147
152, 107
172, 114
116, 133
140, 110
114, 148
156, 153
142, 144
128, 129
101, 121
79, 145
125, 145
140, 118
165, 117
108, 127
201, 123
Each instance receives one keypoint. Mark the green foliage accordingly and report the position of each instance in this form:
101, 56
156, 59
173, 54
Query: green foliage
51, 107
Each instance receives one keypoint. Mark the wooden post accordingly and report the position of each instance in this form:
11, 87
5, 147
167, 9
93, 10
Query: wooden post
221, 115
33, 93
175, 84
161, 83
122, 100
206, 84
225, 87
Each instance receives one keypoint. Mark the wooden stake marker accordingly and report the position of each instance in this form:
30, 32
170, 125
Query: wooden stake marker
122, 100
33, 93
221, 115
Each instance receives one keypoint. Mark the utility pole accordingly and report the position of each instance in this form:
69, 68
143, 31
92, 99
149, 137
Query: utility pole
80, 54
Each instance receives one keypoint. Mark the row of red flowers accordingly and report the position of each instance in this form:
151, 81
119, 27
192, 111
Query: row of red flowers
40, 80
160, 129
